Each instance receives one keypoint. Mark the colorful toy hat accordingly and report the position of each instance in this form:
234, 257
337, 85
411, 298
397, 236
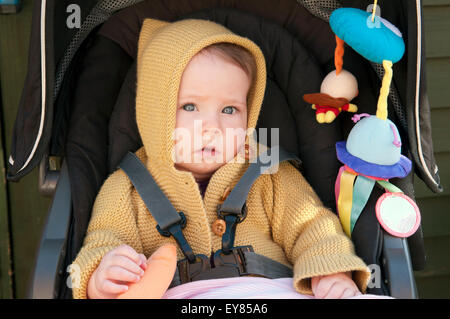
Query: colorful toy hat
375, 39
373, 149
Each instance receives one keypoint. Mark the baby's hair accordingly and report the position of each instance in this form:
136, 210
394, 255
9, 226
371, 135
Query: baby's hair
235, 54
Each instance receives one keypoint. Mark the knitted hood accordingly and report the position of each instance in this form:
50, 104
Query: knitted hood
164, 51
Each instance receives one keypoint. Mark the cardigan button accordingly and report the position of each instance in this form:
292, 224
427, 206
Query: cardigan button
219, 227
247, 152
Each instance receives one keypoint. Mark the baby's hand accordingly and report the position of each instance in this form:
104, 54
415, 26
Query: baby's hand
161, 267
336, 286
118, 267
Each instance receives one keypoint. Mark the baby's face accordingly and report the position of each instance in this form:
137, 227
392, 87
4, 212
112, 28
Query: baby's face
211, 119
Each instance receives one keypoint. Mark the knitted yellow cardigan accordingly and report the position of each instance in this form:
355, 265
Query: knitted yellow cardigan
286, 221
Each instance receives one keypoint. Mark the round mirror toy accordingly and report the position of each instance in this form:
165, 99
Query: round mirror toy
398, 214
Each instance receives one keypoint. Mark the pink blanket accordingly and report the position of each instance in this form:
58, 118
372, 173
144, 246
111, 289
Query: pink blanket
242, 288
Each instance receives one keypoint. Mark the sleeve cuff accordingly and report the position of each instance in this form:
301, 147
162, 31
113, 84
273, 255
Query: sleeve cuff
305, 269
82, 269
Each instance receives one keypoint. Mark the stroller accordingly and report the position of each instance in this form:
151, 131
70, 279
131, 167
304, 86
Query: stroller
76, 117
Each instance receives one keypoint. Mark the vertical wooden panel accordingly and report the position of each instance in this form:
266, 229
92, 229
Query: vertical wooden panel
5, 245
437, 28
438, 70
441, 130
433, 281
435, 216
430, 3
28, 209
443, 163
434, 287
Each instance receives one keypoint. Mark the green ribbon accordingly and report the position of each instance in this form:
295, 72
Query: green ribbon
361, 192
390, 187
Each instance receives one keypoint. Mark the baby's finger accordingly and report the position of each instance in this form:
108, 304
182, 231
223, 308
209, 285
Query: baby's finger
128, 264
129, 252
144, 261
109, 287
336, 291
323, 287
348, 293
314, 282
121, 274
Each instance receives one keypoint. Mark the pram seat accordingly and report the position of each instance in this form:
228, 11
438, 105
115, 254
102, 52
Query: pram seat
296, 64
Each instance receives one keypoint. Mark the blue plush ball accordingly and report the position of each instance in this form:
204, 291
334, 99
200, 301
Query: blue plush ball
375, 141
376, 41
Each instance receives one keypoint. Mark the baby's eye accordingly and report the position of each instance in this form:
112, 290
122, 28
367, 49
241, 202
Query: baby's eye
229, 110
189, 107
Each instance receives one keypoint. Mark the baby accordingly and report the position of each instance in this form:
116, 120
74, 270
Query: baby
199, 89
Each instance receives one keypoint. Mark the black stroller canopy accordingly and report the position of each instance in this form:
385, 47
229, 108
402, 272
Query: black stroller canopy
78, 98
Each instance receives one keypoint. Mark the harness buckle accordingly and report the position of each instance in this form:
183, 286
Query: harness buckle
175, 230
220, 265
231, 218
166, 231
239, 217
234, 260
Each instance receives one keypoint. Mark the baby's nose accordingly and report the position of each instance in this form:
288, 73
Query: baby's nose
210, 120
211, 134
210, 124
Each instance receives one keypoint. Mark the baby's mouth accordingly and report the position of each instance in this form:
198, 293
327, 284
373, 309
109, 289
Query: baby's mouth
208, 151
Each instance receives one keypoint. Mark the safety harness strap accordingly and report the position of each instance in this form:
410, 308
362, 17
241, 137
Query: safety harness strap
169, 221
265, 267
233, 209
229, 261
268, 160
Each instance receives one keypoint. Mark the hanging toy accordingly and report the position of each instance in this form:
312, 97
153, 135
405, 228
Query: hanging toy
336, 91
373, 37
371, 155
372, 152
